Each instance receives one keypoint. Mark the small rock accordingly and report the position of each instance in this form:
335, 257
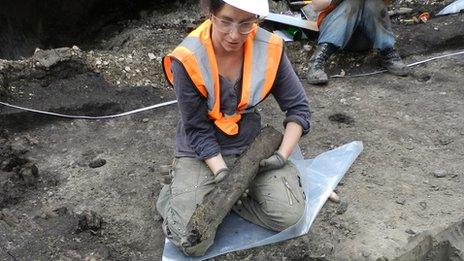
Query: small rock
342, 73
145, 120
439, 173
127, 69
61, 211
75, 48
400, 201
445, 140
341, 118
151, 56
365, 253
423, 205
97, 163
410, 231
88, 220
30, 174
307, 47
334, 197
47, 58
342, 208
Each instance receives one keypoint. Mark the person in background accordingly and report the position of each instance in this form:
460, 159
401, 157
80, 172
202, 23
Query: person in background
353, 25
220, 72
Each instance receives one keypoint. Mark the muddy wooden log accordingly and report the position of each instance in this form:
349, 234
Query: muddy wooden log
219, 202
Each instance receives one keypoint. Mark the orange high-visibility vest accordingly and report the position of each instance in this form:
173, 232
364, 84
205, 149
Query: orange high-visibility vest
262, 54
329, 9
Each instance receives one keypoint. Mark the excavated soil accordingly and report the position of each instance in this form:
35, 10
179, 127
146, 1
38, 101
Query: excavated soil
86, 190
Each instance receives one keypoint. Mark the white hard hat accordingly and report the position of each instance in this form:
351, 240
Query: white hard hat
258, 7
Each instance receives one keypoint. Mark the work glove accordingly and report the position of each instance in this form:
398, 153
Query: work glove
221, 175
276, 161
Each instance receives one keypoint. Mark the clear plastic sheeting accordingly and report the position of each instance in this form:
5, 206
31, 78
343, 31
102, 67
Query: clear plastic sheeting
319, 177
452, 8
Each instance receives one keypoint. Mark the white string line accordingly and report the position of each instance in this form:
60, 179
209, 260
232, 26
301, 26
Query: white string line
409, 65
90, 117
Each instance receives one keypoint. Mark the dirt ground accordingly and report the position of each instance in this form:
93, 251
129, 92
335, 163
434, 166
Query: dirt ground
86, 190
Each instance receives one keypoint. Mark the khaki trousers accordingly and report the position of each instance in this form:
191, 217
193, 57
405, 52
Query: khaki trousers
275, 200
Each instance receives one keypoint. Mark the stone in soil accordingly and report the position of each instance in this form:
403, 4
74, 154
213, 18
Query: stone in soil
97, 163
423, 205
29, 174
342, 208
88, 220
439, 173
334, 197
341, 118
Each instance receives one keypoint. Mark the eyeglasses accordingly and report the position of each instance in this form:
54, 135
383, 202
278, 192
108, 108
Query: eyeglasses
226, 26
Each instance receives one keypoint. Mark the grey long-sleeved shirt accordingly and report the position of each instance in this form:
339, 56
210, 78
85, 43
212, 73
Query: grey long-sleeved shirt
197, 135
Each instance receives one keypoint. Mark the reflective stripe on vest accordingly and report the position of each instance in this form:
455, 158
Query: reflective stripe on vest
262, 54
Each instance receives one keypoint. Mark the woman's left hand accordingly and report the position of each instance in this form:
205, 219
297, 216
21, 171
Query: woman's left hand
276, 161
291, 137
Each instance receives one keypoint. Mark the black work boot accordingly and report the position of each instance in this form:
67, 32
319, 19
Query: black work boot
393, 62
316, 74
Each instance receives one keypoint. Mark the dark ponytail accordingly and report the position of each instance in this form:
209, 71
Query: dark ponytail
211, 6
